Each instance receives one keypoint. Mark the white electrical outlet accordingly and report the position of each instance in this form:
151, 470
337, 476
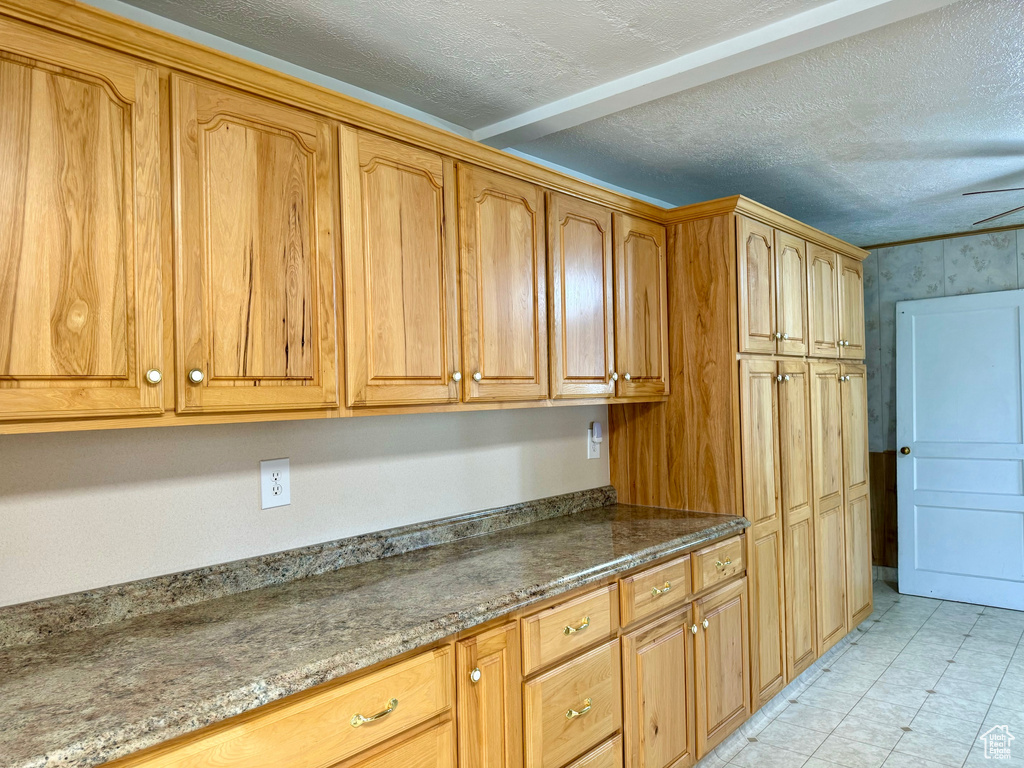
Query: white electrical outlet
275, 483
595, 437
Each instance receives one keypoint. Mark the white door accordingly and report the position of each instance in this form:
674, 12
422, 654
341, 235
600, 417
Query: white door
960, 448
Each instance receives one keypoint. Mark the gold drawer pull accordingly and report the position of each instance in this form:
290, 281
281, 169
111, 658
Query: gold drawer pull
573, 630
719, 564
572, 714
358, 720
666, 587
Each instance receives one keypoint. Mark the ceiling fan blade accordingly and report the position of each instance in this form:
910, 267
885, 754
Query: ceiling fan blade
999, 215
990, 191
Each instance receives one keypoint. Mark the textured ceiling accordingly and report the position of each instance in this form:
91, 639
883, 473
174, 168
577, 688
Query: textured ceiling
474, 62
872, 138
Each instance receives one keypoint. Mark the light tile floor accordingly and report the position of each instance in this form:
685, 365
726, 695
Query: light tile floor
921, 682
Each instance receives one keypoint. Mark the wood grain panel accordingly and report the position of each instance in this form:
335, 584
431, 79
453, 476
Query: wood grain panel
756, 285
431, 749
489, 709
557, 632
719, 562
851, 308
655, 590
641, 308
723, 677
882, 475
608, 755
760, 429
504, 295
255, 263
80, 222
823, 301
657, 682
401, 272
856, 490
638, 454
767, 611
791, 293
581, 298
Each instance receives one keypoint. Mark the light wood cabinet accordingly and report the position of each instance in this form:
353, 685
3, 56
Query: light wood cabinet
856, 489
851, 308
489, 699
401, 274
434, 748
255, 262
791, 293
657, 691
608, 755
721, 652
564, 629
823, 298
81, 249
641, 307
829, 515
762, 480
504, 295
582, 345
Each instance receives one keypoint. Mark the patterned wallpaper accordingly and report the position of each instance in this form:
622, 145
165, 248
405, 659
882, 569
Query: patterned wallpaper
966, 264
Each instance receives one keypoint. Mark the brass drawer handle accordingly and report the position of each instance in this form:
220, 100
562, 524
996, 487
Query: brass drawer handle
358, 719
719, 564
572, 714
658, 591
573, 630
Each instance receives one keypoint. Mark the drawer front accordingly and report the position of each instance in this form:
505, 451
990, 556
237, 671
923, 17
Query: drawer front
430, 749
558, 725
717, 563
559, 632
318, 730
608, 755
655, 590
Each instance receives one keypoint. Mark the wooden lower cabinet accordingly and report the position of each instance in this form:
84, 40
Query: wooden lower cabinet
657, 685
608, 755
434, 748
489, 699
856, 491
722, 648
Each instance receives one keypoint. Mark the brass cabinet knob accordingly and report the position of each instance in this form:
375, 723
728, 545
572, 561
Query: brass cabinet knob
196, 376
905, 450
153, 376
457, 376
477, 376
474, 676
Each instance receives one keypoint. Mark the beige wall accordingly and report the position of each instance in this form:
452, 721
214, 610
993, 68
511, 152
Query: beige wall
88, 509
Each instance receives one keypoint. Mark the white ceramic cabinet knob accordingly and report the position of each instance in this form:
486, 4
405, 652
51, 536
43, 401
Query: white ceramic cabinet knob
628, 377
457, 376
474, 676
615, 376
477, 376
153, 376
196, 376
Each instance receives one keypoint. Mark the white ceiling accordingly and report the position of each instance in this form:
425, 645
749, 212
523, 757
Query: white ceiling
872, 138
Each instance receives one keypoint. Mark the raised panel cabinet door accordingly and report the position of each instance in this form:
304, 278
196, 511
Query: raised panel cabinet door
722, 652
851, 308
829, 519
856, 489
797, 516
641, 308
504, 294
767, 611
255, 263
489, 699
657, 693
791, 293
756, 283
582, 348
759, 439
823, 301
401, 278
81, 295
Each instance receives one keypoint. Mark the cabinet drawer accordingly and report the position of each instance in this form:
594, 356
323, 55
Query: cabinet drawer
655, 590
318, 730
608, 755
558, 632
557, 722
430, 749
717, 563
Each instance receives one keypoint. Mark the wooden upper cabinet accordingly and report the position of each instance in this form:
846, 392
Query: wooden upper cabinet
504, 298
401, 276
823, 298
755, 242
851, 308
81, 297
791, 293
657, 696
489, 699
255, 262
581, 305
641, 308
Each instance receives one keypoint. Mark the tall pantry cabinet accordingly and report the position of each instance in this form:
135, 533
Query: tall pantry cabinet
767, 417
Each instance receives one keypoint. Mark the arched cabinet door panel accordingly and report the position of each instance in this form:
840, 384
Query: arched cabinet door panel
255, 267
81, 294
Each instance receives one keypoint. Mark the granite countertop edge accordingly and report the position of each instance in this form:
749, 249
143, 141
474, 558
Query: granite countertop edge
192, 716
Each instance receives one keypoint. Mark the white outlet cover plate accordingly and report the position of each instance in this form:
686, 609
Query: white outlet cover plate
275, 483
593, 449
